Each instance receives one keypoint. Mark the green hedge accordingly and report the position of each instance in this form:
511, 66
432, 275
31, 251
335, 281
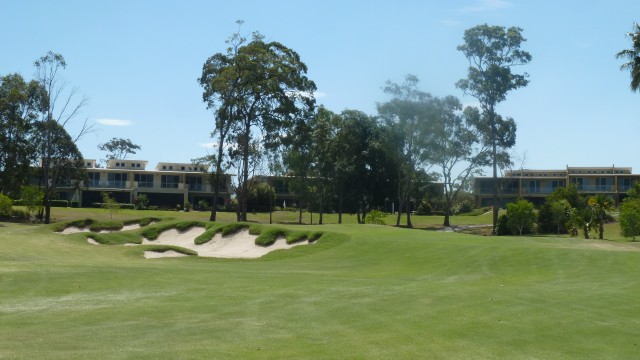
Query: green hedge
59, 203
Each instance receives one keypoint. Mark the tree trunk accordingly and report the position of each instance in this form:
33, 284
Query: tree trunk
494, 151
320, 211
340, 196
300, 212
408, 209
601, 237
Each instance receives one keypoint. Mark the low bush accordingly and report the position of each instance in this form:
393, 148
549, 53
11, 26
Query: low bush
5, 206
75, 204
376, 217
20, 215
59, 203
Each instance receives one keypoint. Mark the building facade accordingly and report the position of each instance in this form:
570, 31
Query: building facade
536, 185
169, 185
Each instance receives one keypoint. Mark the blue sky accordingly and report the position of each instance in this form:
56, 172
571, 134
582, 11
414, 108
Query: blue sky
138, 62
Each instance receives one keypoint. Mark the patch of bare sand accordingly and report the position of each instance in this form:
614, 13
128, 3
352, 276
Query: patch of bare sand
75, 229
157, 254
238, 245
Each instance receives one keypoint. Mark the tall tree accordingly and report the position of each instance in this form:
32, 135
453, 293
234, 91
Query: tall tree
20, 103
492, 52
633, 55
119, 148
407, 117
456, 147
260, 87
61, 106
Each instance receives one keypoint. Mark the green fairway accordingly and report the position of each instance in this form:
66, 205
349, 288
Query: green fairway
360, 292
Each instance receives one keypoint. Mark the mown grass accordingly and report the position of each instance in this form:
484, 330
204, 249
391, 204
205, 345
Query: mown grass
360, 292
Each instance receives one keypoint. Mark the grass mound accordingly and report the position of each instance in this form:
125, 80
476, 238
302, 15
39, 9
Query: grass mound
102, 225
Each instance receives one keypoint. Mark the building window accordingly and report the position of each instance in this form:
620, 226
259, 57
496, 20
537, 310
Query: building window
144, 180
94, 179
117, 180
169, 181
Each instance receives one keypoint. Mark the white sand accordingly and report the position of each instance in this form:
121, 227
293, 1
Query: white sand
157, 254
74, 229
238, 245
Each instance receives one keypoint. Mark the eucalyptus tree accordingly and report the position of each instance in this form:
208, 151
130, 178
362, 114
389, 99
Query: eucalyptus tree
407, 117
61, 105
365, 172
20, 103
633, 57
257, 89
493, 51
456, 147
119, 148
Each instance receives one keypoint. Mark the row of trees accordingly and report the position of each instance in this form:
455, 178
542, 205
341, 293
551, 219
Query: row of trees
265, 111
34, 117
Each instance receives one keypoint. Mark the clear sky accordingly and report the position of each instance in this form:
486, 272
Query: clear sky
138, 62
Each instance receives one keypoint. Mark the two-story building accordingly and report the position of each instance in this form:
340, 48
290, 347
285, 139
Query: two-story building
170, 184
536, 185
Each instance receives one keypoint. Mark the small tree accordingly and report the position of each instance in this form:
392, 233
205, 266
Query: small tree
601, 206
376, 217
32, 198
110, 203
521, 216
630, 218
141, 201
5, 206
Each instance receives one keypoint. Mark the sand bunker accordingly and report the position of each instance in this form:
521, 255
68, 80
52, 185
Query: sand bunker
239, 245
74, 229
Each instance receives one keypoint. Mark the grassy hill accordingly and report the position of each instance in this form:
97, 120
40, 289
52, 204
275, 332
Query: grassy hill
361, 292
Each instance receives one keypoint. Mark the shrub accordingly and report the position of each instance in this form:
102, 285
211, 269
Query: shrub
59, 203
203, 205
75, 204
521, 217
19, 214
630, 219
375, 217
424, 208
141, 201
5, 206
502, 226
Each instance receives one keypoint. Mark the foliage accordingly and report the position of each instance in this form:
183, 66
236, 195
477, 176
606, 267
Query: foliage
553, 216
256, 106
6, 204
492, 52
407, 117
600, 205
55, 148
141, 201
118, 148
521, 216
32, 198
110, 203
502, 228
203, 205
20, 102
630, 218
376, 217
633, 55
261, 198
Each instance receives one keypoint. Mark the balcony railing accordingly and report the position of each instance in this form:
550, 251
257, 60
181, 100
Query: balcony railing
596, 188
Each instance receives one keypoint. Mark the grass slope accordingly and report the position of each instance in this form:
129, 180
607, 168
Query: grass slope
360, 292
